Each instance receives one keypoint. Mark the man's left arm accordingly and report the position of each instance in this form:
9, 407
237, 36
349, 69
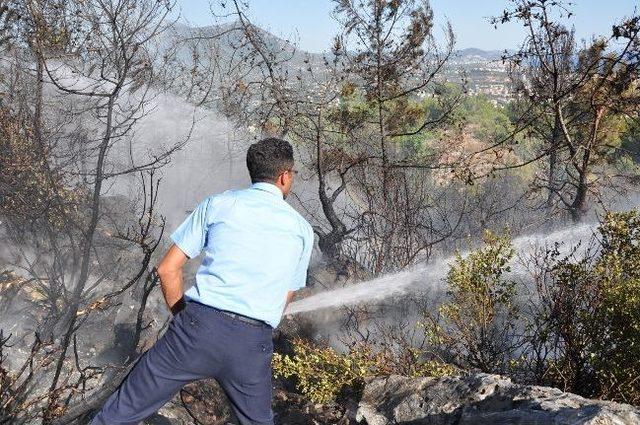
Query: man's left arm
300, 274
289, 298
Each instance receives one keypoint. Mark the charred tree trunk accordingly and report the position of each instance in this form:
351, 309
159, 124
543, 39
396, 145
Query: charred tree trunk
553, 164
579, 206
329, 243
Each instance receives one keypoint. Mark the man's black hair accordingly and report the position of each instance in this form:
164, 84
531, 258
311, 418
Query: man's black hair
268, 158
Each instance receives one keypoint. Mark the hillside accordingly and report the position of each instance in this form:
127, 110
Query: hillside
483, 70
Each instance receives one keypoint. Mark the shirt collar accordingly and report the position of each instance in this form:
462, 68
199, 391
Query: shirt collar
268, 187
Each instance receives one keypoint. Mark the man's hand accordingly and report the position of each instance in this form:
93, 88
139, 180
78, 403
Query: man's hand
170, 272
288, 299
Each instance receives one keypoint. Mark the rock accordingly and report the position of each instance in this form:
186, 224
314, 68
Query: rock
481, 399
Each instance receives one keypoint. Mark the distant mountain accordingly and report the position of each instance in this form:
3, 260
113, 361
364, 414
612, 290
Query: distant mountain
227, 44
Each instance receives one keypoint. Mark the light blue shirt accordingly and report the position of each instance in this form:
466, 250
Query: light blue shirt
256, 248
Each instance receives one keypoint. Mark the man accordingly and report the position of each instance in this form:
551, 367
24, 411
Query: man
256, 253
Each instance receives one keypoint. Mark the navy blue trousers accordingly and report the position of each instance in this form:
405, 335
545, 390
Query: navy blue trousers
200, 342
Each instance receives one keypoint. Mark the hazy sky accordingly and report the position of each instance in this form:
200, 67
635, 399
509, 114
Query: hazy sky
310, 22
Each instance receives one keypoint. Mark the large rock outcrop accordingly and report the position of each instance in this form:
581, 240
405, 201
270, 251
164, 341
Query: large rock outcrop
481, 399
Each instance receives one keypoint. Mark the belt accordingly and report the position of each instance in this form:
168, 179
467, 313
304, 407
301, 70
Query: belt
235, 315
243, 318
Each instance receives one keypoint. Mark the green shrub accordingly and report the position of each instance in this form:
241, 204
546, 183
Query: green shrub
595, 311
477, 324
321, 373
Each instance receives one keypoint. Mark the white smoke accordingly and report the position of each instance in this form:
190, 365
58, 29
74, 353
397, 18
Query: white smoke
427, 277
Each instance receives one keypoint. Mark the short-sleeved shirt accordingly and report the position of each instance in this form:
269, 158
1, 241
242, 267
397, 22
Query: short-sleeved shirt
256, 249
